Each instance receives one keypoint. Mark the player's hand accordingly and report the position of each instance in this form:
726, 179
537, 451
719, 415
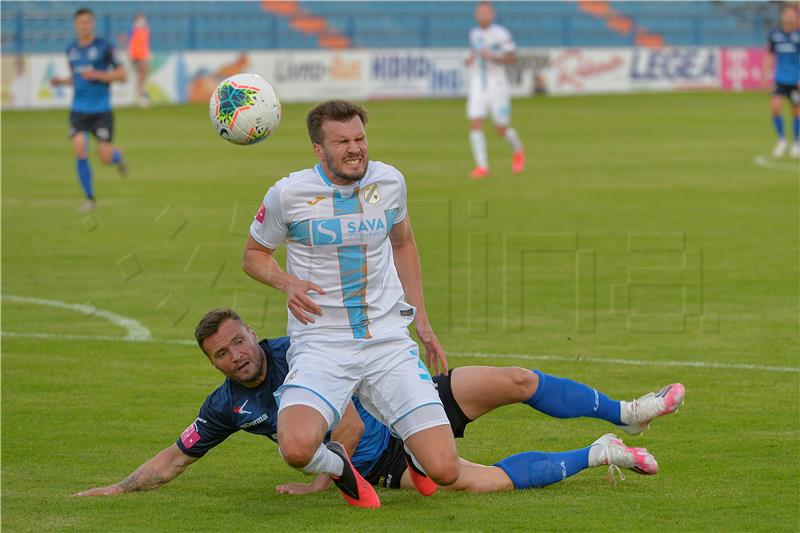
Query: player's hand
101, 491
55, 81
298, 301
295, 488
434, 353
487, 55
470, 59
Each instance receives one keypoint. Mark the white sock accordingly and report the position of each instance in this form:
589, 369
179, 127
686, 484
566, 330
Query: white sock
324, 462
595, 454
624, 412
478, 142
512, 139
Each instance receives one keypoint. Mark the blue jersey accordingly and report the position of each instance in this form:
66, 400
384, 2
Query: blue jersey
233, 406
373, 442
91, 96
786, 47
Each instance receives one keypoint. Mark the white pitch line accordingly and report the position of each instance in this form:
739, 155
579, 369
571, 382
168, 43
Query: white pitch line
136, 331
527, 357
766, 162
631, 362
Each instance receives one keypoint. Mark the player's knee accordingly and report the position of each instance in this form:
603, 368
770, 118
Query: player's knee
501, 131
522, 381
445, 471
296, 450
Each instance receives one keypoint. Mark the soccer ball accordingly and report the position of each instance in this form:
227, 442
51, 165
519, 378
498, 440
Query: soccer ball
244, 109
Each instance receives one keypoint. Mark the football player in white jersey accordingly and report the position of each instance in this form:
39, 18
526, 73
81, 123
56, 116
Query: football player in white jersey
491, 49
353, 286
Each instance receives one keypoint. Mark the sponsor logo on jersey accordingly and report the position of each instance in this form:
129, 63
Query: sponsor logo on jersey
316, 200
190, 436
262, 211
371, 194
257, 421
240, 410
326, 231
334, 231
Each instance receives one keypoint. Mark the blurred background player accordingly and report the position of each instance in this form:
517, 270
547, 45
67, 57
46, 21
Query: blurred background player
94, 67
139, 52
784, 54
492, 48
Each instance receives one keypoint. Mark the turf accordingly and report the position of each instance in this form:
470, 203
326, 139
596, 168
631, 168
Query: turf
641, 230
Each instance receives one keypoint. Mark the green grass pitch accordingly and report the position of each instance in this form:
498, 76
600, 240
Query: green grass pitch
642, 230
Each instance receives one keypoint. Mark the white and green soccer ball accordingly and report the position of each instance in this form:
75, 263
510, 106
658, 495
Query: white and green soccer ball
244, 109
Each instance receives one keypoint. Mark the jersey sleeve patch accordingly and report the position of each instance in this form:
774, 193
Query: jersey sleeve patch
261, 212
190, 436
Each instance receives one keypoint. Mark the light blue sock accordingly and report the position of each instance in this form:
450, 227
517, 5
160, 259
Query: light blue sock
85, 177
564, 398
778, 123
539, 469
796, 129
116, 157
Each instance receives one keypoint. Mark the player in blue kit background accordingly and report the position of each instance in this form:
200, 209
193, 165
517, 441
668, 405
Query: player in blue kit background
94, 67
784, 54
255, 370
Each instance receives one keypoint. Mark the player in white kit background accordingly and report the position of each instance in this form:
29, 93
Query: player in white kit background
353, 286
491, 49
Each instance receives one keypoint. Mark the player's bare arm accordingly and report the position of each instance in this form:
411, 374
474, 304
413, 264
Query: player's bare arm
57, 81
165, 466
259, 263
106, 76
507, 58
348, 433
406, 261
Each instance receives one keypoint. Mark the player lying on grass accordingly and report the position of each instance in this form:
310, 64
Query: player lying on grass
254, 370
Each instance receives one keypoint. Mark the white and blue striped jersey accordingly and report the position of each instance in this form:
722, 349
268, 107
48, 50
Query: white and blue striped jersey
489, 75
338, 238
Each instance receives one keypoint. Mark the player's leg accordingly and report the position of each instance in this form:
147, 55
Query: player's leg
539, 469
777, 121
399, 392
476, 112
80, 144
311, 401
501, 116
476, 390
795, 101
109, 154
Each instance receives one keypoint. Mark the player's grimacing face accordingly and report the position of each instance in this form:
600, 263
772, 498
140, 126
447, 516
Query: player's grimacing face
234, 351
84, 26
343, 151
484, 15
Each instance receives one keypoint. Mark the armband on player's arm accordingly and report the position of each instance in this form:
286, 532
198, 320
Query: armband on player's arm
165, 466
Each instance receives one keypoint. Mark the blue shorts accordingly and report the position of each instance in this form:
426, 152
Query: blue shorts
789, 91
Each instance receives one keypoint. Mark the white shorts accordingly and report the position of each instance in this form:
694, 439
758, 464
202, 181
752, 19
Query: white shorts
386, 373
482, 102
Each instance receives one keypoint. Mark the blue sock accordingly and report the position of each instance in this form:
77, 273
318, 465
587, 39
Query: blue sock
778, 123
116, 157
539, 469
564, 398
796, 129
85, 177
